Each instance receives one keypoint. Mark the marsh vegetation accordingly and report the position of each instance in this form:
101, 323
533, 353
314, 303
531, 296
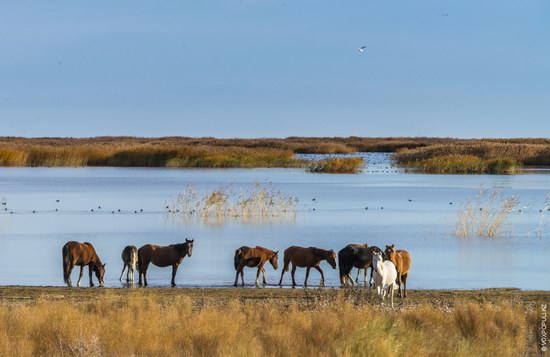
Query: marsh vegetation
256, 322
437, 155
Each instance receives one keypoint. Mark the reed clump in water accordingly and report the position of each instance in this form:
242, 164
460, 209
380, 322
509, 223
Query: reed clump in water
262, 201
486, 215
338, 165
152, 325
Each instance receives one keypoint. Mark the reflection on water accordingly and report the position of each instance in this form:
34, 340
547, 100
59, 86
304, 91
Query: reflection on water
415, 212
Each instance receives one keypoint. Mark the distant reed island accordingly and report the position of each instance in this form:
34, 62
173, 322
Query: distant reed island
432, 155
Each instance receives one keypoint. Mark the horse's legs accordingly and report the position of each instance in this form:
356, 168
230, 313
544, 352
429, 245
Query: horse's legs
90, 270
348, 276
174, 271
285, 268
371, 281
318, 268
263, 275
258, 275
130, 274
143, 270
404, 279
398, 280
357, 278
365, 276
391, 294
307, 276
69, 271
292, 273
80, 276
123, 267
239, 270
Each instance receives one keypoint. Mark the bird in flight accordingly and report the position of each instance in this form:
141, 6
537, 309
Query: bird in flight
444, 14
362, 48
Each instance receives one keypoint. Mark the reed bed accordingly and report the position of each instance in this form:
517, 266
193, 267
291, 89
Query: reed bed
338, 165
443, 155
262, 202
486, 215
152, 325
482, 156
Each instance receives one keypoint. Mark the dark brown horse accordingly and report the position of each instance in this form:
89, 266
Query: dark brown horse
171, 255
402, 261
129, 261
81, 254
307, 258
254, 257
358, 256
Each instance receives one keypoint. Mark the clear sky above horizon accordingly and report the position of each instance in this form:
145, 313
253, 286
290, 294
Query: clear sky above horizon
254, 68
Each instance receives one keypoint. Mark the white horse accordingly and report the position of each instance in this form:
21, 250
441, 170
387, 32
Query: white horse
129, 259
385, 276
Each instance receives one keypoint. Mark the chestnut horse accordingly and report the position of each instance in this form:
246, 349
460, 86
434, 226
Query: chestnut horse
358, 256
402, 261
129, 261
254, 257
81, 254
162, 257
307, 258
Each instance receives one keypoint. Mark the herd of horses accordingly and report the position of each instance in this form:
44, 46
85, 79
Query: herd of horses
389, 267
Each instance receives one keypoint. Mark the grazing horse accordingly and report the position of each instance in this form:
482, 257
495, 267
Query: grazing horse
307, 258
254, 257
81, 254
358, 256
129, 260
162, 257
385, 275
402, 261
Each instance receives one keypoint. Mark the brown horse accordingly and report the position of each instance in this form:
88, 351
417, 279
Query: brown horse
129, 261
402, 261
162, 257
81, 254
307, 258
254, 257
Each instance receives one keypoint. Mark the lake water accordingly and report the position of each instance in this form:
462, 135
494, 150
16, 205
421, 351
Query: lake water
416, 216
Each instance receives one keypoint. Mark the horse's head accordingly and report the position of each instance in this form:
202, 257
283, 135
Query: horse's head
274, 260
99, 270
331, 258
390, 252
189, 245
377, 260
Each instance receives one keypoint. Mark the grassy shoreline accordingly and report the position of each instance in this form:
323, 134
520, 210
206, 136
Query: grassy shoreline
273, 322
436, 155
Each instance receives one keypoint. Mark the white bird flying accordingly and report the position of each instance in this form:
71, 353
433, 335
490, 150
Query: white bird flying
362, 48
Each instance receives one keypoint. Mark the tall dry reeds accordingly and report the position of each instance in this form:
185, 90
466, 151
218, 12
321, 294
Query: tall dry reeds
486, 215
261, 202
141, 325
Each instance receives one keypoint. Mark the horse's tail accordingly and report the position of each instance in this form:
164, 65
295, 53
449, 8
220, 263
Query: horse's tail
65, 252
237, 258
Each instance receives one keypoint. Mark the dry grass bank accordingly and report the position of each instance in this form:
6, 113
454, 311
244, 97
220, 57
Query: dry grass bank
256, 322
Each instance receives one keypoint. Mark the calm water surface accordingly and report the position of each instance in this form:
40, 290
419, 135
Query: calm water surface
31, 243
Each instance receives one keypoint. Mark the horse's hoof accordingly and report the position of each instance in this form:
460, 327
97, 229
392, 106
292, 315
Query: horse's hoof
173, 285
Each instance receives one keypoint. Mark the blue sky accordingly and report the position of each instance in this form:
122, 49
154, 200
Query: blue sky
256, 68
